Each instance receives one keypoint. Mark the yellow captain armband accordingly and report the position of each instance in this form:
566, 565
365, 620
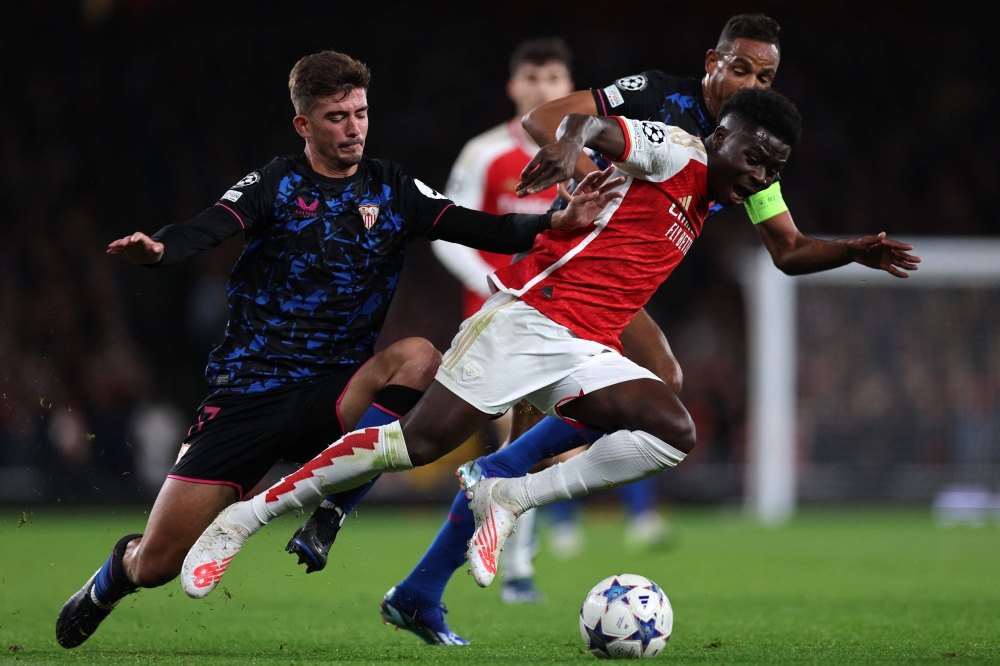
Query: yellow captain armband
765, 204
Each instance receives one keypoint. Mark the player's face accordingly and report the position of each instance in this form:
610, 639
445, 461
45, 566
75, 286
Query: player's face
743, 64
744, 162
336, 127
534, 85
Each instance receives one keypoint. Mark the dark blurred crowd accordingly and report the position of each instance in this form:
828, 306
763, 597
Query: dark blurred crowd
125, 116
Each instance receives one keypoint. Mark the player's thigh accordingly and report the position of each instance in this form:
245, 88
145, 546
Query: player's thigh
638, 404
411, 362
182, 511
644, 342
524, 417
438, 424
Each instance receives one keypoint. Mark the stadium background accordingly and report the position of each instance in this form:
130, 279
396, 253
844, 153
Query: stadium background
125, 116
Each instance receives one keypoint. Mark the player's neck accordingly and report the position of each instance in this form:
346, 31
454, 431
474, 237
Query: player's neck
328, 168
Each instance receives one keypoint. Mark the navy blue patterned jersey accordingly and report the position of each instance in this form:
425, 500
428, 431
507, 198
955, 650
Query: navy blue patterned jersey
321, 263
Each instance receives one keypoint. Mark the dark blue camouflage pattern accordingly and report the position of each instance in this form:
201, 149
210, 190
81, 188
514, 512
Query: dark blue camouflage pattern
312, 288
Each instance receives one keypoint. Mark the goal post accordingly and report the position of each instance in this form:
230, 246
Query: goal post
774, 337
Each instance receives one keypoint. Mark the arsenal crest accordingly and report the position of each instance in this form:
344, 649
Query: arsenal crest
369, 213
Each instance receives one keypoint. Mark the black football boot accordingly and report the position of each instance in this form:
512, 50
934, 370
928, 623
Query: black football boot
313, 540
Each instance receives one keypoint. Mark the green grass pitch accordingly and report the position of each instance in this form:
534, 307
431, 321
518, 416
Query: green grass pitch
832, 587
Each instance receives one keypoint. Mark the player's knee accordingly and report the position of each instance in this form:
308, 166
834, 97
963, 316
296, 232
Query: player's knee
416, 361
670, 423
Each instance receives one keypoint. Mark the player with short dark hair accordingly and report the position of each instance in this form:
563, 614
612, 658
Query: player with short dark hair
551, 334
326, 234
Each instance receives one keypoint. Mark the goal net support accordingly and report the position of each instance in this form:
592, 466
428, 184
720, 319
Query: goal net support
863, 387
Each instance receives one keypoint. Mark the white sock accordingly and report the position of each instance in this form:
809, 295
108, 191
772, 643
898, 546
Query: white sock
351, 461
613, 460
518, 552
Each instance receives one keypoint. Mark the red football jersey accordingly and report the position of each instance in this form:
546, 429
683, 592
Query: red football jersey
593, 280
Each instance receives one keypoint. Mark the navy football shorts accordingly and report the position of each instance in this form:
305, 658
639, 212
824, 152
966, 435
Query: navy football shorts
238, 437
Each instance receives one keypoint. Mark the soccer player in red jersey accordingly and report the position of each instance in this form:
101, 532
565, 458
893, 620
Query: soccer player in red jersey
550, 334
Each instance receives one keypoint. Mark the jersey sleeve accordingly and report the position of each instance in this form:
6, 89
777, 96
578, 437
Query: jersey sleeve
636, 96
420, 205
251, 199
242, 207
656, 152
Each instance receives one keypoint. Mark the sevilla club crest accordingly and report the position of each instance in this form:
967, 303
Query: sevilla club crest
369, 213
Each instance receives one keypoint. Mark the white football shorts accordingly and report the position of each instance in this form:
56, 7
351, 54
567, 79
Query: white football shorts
509, 350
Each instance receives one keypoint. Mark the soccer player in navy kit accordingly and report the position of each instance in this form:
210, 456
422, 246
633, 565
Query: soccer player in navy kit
326, 234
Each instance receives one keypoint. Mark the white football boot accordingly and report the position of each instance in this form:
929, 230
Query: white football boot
494, 523
211, 554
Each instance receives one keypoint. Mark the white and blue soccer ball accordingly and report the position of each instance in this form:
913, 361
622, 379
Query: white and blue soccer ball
626, 617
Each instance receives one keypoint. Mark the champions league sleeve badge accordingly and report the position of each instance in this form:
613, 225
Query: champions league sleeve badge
369, 213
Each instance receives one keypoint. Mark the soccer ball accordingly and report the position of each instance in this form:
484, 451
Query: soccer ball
626, 617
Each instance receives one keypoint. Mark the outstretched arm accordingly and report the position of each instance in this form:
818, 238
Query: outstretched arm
509, 234
554, 163
176, 242
797, 254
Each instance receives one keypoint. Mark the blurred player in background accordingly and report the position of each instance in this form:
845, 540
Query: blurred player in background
487, 171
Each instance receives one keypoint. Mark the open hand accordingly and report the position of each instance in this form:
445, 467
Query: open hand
137, 249
590, 198
883, 254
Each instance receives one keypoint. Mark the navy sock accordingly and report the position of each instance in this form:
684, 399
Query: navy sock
390, 404
111, 583
549, 437
639, 497
424, 587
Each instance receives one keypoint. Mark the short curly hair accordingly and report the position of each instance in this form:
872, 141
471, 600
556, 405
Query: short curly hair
757, 27
767, 109
325, 74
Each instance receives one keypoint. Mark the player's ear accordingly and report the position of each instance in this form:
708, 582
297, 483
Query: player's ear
301, 124
720, 135
711, 61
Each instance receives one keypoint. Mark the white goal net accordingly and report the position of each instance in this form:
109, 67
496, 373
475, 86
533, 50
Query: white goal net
868, 388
